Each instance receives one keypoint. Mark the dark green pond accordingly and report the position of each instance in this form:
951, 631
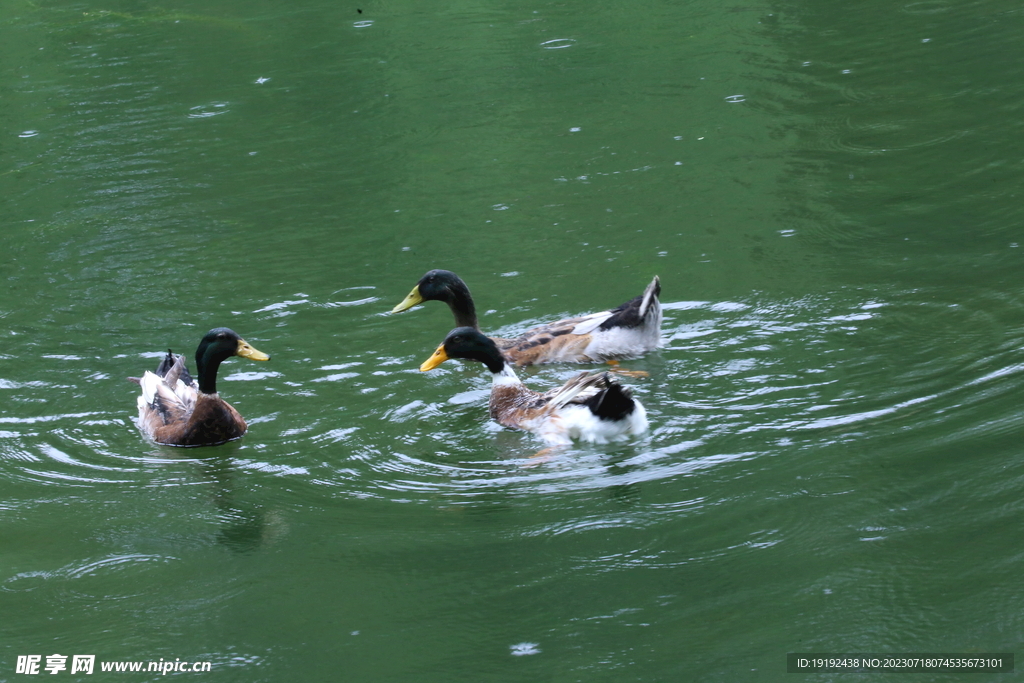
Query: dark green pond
830, 193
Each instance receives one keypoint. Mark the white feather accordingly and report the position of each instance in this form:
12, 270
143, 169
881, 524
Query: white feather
621, 342
506, 377
582, 386
149, 383
567, 421
591, 322
648, 297
155, 388
577, 422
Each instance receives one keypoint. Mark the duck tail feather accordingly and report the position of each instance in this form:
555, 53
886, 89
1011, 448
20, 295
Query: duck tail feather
614, 402
166, 363
573, 387
651, 294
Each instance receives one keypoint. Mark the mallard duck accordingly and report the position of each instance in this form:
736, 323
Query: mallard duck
174, 411
588, 407
632, 329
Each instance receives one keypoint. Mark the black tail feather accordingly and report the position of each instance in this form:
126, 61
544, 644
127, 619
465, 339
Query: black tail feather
628, 314
613, 403
166, 364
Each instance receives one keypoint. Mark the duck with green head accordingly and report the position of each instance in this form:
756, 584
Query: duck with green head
627, 331
176, 411
593, 408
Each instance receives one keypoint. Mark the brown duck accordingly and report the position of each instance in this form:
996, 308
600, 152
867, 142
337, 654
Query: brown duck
593, 408
175, 411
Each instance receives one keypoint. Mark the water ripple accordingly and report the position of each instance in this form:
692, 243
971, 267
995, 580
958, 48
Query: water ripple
558, 43
205, 111
79, 579
739, 382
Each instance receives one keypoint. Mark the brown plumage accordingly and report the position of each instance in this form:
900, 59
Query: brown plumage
517, 406
210, 421
548, 344
588, 407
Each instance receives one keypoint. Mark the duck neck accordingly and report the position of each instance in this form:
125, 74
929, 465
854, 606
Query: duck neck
207, 364
461, 304
503, 374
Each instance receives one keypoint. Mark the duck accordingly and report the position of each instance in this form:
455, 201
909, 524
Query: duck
627, 331
176, 411
593, 408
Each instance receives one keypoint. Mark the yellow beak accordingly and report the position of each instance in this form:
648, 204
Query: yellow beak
439, 357
408, 302
246, 351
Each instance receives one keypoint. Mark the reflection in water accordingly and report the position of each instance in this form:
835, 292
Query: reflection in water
245, 526
628, 494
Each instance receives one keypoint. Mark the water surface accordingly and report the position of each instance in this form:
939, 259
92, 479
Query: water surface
829, 194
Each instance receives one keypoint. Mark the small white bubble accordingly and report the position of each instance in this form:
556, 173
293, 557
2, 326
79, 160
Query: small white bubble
678, 137
845, 71
406, 248
574, 130
261, 80
735, 98
923, 40
679, 163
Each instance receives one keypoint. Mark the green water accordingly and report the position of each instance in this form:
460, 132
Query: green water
830, 193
